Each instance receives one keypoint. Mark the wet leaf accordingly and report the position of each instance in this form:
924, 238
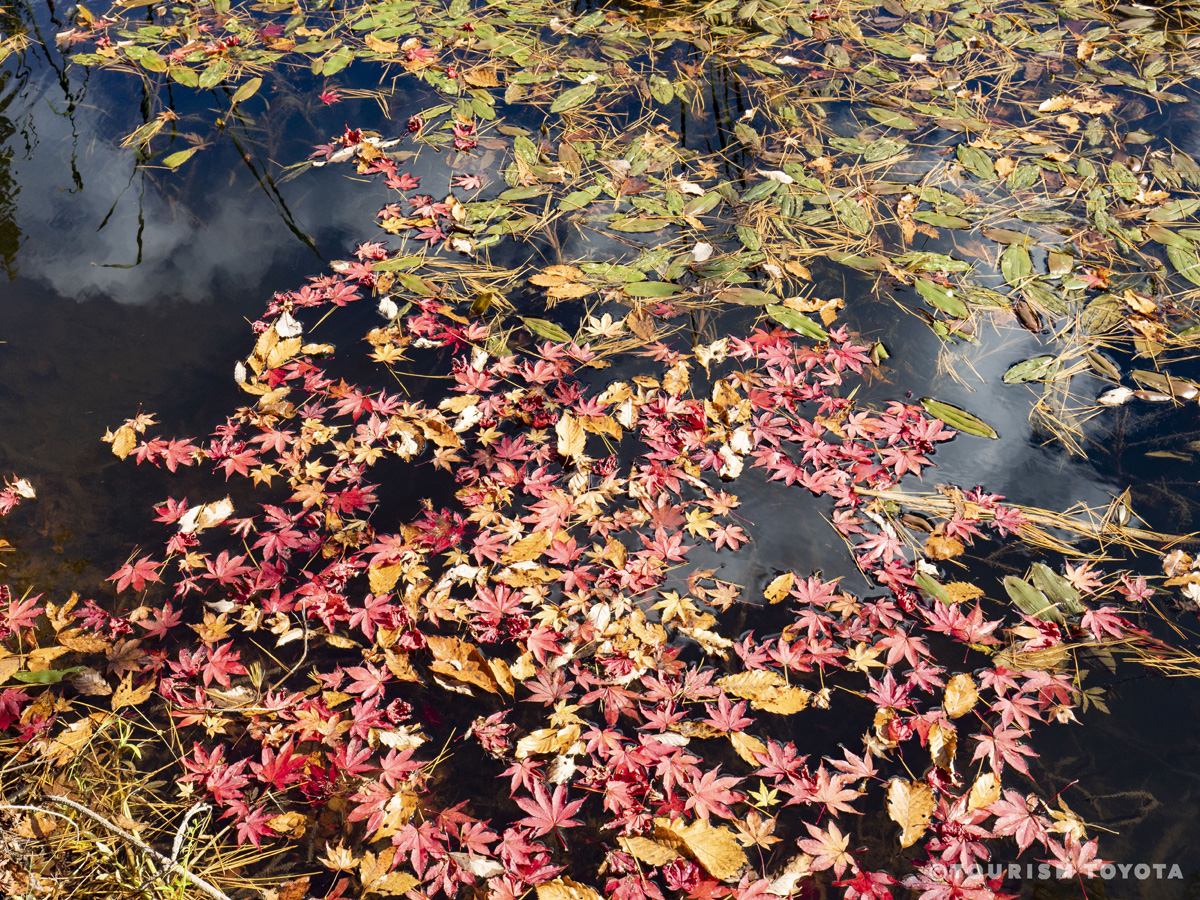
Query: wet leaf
246, 91
766, 690
910, 805
1038, 368
960, 697
573, 98
1031, 601
797, 322
714, 848
547, 329
651, 289
958, 419
943, 298
177, 159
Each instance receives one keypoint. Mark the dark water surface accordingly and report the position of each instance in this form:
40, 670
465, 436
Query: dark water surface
130, 288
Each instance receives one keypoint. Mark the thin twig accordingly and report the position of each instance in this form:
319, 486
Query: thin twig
170, 865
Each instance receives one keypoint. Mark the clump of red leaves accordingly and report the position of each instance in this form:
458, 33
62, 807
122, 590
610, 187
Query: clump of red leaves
305, 644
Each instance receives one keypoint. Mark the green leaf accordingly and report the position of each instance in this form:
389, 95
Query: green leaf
933, 589
1039, 368
337, 62
1186, 263
1015, 264
573, 98
853, 216
213, 74
941, 220
46, 676
579, 199
547, 329
700, 206
884, 148
943, 298
924, 261
637, 224
175, 160
797, 322
958, 419
651, 289
397, 262
891, 118
1057, 589
1031, 601
246, 91
976, 162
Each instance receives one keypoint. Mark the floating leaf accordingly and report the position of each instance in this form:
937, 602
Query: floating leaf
1015, 264
943, 298
747, 296
570, 436
175, 160
573, 98
652, 289
246, 91
960, 697
547, 329
637, 224
1031, 601
1057, 589
1039, 368
910, 805
958, 419
766, 690
714, 848
891, 118
797, 322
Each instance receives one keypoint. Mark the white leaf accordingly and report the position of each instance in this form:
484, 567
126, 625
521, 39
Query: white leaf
286, 326
701, 252
776, 175
1116, 397
388, 308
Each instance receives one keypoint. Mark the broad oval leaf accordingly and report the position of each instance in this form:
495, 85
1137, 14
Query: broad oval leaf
573, 98
1039, 368
246, 91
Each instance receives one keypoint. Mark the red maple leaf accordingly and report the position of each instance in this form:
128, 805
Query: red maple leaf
135, 574
546, 812
711, 794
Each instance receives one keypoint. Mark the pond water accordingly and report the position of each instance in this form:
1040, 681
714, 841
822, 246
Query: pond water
129, 287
